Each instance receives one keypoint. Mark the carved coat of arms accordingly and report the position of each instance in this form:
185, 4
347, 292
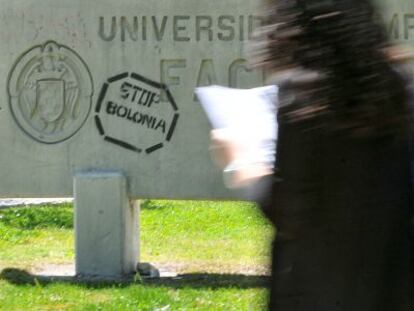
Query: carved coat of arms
50, 90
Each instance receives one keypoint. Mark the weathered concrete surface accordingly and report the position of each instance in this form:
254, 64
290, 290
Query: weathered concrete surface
106, 225
82, 83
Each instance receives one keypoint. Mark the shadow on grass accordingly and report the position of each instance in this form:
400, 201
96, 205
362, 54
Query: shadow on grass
154, 204
211, 280
192, 280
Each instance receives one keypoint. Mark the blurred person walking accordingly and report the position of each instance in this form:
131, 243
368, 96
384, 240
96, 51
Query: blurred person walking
341, 197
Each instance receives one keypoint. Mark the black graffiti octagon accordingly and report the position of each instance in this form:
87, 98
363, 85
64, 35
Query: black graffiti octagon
136, 113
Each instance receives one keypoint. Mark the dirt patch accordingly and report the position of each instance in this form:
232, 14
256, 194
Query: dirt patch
165, 269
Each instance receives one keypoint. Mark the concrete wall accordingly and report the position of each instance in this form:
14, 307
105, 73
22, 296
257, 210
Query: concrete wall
82, 83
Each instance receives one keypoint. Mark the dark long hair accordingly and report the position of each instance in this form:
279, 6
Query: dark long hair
343, 42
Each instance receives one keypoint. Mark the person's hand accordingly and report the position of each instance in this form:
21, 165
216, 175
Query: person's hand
224, 148
232, 156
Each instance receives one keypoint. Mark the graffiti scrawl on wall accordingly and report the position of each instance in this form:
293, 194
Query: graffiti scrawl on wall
131, 113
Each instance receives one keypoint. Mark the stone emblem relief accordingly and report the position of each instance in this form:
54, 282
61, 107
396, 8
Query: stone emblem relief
50, 92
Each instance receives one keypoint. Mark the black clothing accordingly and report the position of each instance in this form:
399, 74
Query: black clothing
342, 209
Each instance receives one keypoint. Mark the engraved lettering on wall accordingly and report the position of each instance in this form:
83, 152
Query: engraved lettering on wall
401, 26
177, 28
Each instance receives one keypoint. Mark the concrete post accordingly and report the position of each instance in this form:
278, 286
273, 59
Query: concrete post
106, 225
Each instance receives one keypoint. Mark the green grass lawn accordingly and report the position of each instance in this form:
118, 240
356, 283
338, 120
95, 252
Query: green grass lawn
219, 249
